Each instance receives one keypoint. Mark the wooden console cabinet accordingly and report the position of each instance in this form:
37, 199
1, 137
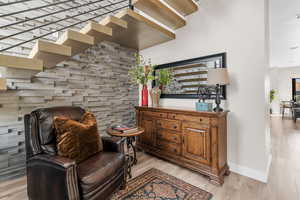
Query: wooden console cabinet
196, 140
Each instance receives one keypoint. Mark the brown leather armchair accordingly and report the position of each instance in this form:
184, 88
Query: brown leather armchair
50, 176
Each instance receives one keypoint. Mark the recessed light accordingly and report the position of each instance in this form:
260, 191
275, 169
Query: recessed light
298, 16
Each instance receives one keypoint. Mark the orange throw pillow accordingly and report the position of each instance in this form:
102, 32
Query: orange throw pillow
77, 140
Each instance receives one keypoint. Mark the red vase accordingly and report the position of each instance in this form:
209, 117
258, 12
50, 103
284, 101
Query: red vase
145, 95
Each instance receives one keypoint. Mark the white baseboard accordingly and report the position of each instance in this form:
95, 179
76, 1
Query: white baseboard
252, 173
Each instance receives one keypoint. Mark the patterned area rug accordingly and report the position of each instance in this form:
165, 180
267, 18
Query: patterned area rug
157, 185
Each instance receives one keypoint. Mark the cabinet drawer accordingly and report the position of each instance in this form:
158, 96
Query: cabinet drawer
194, 125
171, 136
168, 146
204, 120
169, 124
155, 114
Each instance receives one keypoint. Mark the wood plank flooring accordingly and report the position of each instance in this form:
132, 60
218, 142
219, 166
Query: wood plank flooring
284, 180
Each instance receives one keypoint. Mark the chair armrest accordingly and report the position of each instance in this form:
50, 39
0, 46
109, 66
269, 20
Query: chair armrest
52, 177
113, 144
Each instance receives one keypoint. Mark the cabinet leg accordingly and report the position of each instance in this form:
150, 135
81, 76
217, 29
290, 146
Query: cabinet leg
218, 181
227, 172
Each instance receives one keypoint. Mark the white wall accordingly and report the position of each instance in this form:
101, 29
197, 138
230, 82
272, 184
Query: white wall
238, 28
281, 81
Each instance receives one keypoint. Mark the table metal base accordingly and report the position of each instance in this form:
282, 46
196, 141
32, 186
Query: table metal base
132, 160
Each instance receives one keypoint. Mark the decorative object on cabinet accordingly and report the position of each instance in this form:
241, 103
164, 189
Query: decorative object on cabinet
192, 139
155, 184
204, 92
218, 77
142, 73
163, 79
155, 96
189, 75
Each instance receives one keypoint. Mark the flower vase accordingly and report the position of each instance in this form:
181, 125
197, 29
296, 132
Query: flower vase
145, 95
155, 96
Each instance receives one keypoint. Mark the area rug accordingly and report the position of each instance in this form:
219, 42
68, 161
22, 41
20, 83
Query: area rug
157, 185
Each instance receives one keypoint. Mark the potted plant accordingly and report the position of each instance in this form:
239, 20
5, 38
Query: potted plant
164, 78
142, 73
272, 98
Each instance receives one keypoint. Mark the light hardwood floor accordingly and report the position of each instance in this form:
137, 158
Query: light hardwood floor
284, 180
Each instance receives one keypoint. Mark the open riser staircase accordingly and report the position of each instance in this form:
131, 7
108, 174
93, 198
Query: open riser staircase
52, 54
123, 22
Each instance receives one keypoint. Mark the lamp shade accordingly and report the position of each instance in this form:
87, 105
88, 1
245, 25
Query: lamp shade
217, 76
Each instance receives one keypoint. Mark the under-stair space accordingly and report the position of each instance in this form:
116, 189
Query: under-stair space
50, 53
141, 33
160, 12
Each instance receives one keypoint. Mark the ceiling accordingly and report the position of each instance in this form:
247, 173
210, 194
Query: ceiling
284, 33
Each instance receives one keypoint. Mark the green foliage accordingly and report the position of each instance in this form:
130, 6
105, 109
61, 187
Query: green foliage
164, 77
142, 71
272, 95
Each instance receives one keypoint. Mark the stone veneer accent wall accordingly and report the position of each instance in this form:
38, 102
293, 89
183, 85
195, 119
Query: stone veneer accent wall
97, 80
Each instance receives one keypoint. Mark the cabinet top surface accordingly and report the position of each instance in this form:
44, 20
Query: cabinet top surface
182, 110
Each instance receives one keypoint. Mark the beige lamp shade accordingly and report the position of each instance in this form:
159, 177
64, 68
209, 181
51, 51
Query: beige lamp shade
217, 76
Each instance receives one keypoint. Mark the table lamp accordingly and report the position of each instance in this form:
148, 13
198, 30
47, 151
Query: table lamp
218, 77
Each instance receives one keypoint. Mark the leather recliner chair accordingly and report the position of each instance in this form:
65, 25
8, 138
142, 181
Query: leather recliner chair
50, 176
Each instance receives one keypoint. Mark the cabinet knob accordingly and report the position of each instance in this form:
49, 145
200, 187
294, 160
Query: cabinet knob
175, 127
175, 150
160, 115
175, 138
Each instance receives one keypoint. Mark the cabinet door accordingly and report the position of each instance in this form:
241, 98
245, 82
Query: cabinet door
148, 136
196, 144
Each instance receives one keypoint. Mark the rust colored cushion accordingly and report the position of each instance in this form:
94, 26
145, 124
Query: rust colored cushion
77, 140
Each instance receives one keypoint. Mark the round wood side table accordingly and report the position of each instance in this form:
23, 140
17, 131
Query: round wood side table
130, 139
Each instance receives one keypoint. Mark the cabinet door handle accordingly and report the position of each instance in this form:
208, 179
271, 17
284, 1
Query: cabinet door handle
196, 130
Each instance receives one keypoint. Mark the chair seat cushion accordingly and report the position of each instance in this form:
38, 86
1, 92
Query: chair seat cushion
99, 169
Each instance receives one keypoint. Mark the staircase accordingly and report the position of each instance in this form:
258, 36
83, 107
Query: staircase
125, 22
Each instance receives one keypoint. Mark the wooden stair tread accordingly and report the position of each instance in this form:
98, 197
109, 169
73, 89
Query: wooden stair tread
114, 22
141, 33
21, 63
184, 7
3, 84
76, 40
98, 31
160, 12
50, 53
